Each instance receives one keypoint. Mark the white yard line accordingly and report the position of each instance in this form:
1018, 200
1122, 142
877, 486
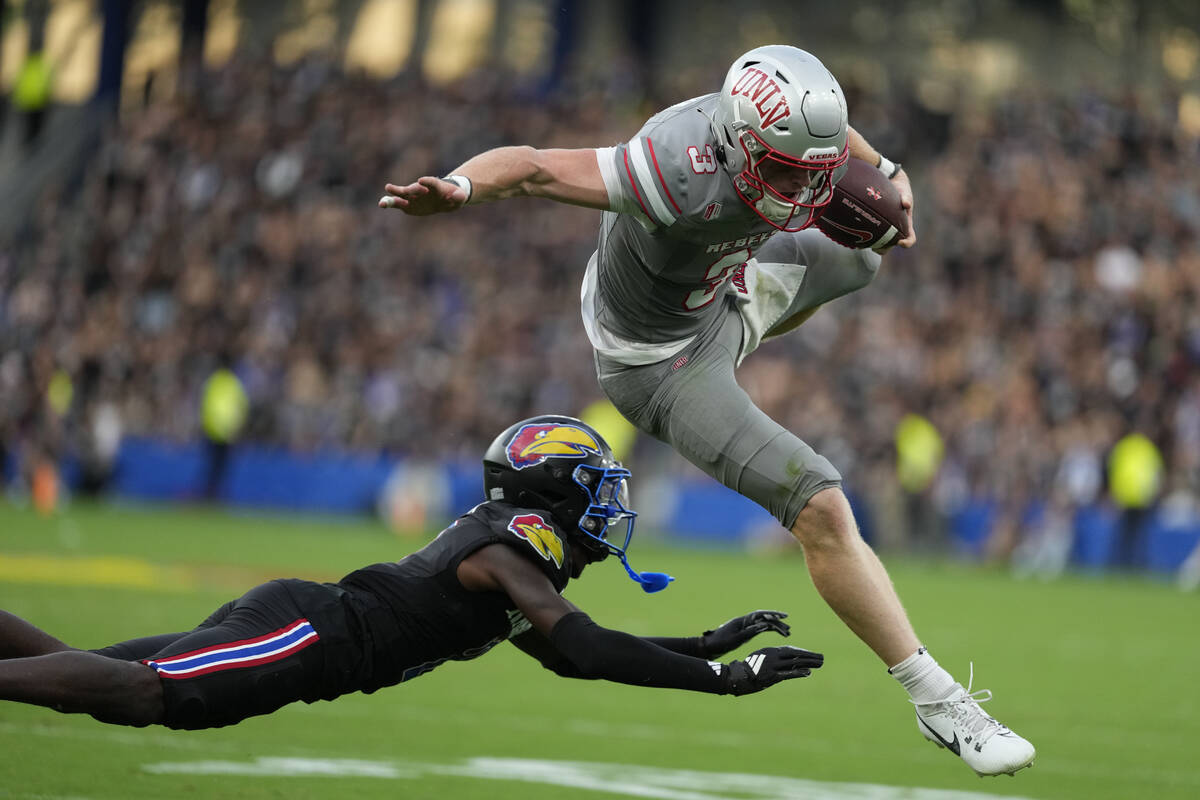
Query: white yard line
619, 779
1151, 776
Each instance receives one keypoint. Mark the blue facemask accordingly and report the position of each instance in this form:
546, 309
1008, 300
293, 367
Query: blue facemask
607, 513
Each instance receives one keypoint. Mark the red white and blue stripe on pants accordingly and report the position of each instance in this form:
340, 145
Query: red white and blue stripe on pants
289, 639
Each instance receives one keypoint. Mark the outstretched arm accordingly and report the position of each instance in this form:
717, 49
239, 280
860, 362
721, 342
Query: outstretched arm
567, 176
599, 652
727, 637
710, 644
596, 652
861, 149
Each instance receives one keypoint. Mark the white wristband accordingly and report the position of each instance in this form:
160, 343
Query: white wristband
889, 168
463, 182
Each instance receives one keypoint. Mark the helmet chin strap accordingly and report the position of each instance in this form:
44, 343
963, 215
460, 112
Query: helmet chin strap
650, 581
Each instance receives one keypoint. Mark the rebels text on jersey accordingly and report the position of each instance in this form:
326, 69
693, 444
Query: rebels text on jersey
417, 613
677, 233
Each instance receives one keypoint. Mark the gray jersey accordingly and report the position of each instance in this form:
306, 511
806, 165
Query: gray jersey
676, 235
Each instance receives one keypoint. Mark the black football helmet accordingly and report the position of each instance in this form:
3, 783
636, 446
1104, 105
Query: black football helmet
563, 466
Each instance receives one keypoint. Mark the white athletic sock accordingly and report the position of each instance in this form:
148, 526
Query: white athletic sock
922, 677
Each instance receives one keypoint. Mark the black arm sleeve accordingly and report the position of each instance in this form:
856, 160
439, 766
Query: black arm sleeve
621, 657
534, 644
690, 646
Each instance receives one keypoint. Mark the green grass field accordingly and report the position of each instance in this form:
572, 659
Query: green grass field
1101, 674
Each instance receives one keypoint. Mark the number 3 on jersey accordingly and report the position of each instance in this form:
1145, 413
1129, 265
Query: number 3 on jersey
715, 278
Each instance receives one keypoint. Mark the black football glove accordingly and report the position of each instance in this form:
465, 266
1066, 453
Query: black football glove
767, 667
739, 630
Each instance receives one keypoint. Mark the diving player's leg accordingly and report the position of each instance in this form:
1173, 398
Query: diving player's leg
146, 646
38, 669
75, 681
254, 656
142, 647
20, 639
107, 683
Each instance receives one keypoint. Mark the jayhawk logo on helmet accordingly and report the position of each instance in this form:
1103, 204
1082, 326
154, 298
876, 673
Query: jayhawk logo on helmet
534, 443
534, 530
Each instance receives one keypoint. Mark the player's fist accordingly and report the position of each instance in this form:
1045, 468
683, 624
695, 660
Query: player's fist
769, 666
426, 196
739, 630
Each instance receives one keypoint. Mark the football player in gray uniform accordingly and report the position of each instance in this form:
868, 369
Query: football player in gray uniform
705, 249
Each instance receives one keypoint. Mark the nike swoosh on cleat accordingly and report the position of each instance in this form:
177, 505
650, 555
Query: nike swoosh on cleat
951, 746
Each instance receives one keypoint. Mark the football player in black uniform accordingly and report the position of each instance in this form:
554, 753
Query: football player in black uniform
557, 501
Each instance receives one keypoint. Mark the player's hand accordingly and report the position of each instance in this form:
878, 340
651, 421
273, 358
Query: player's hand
739, 630
769, 666
427, 196
904, 189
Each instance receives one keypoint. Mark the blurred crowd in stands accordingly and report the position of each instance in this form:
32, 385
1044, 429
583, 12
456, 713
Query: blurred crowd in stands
1050, 309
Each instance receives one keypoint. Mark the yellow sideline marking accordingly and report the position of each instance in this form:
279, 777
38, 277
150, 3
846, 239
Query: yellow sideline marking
133, 573
129, 572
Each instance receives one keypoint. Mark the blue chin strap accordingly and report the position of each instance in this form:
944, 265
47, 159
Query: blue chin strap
607, 491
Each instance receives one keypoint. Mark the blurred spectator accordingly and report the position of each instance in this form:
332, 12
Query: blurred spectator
919, 452
31, 96
100, 429
223, 408
34, 79
1135, 474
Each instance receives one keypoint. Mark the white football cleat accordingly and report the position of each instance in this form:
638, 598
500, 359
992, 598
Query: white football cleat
958, 724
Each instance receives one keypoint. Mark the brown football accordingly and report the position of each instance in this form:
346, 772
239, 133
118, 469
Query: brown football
865, 210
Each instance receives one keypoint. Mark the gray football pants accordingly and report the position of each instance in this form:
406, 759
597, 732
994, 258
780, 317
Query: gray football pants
693, 403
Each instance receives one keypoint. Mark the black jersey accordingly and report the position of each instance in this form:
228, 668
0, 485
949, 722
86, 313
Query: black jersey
417, 615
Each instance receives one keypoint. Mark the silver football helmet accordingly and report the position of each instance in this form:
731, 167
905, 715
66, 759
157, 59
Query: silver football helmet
782, 127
